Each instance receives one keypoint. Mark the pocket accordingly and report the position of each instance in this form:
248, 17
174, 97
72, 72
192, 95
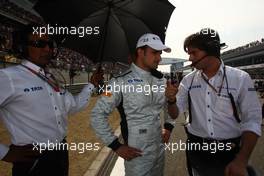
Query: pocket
224, 106
147, 133
144, 138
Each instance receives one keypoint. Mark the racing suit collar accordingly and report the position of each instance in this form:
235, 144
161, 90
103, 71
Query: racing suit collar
139, 70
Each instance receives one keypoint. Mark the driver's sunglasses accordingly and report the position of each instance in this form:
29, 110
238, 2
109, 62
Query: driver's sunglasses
42, 43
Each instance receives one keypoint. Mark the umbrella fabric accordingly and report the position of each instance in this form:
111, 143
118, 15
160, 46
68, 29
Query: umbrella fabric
114, 25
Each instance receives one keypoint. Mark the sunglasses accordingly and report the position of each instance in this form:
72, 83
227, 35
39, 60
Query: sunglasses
42, 43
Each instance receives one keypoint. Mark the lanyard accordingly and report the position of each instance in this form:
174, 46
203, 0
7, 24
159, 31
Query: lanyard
53, 84
209, 84
231, 97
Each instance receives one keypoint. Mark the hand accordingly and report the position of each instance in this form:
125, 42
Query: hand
96, 78
166, 135
128, 153
171, 91
237, 167
21, 154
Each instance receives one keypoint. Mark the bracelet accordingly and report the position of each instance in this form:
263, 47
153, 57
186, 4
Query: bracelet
171, 102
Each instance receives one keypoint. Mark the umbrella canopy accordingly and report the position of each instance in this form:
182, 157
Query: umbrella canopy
108, 29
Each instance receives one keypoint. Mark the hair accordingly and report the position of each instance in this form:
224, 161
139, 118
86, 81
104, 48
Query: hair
135, 55
207, 40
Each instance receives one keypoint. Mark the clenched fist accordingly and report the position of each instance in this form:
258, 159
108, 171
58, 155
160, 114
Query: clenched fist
171, 91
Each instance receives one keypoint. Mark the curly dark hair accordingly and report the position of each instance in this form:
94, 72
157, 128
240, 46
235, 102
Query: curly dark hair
207, 40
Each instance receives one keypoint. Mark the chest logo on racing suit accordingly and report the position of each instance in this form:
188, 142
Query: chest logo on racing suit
33, 89
134, 80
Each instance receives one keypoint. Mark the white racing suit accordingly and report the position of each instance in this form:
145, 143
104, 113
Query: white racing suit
142, 107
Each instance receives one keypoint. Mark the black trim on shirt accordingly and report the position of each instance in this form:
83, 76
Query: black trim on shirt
115, 144
123, 74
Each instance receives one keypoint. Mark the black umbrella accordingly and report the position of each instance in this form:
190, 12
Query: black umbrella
113, 26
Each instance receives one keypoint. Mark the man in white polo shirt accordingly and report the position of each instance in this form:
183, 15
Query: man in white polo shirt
224, 110
34, 109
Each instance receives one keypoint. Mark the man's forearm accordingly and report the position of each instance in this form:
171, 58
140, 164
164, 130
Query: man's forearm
248, 142
173, 110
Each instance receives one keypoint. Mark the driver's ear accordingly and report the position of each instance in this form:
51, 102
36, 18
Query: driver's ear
140, 52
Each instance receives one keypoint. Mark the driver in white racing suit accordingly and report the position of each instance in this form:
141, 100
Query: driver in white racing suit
141, 91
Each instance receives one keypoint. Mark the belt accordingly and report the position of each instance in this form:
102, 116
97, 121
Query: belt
194, 138
31, 146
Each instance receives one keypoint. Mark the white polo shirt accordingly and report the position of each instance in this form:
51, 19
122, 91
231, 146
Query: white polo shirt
31, 110
212, 115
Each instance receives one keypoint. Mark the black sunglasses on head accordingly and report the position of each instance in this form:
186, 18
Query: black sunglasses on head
42, 43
